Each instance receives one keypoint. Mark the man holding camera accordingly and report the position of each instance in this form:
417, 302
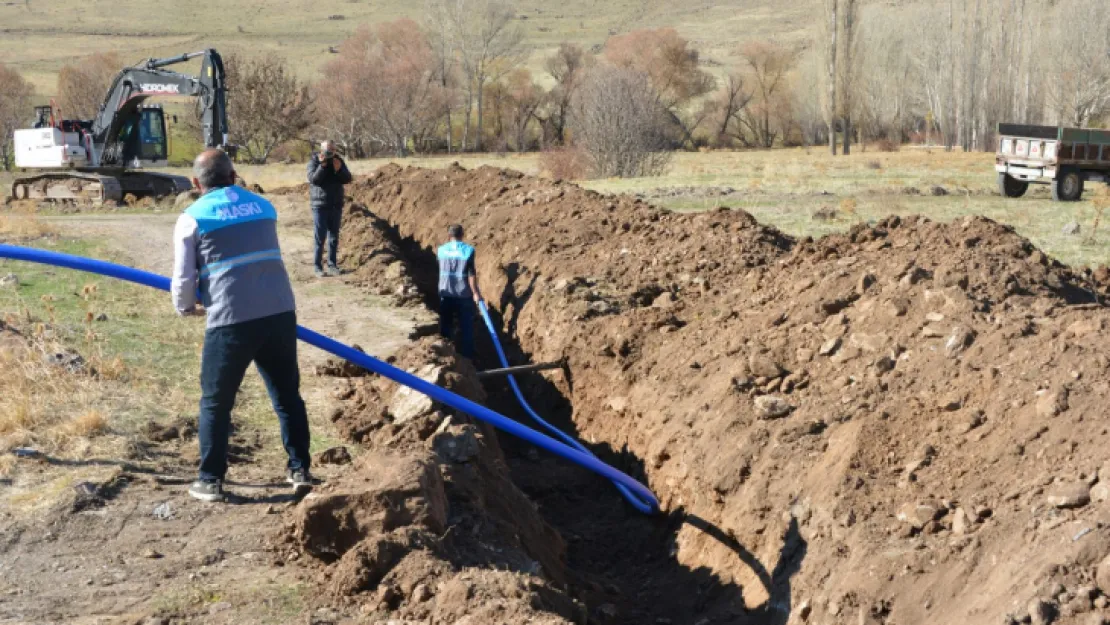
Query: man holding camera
327, 173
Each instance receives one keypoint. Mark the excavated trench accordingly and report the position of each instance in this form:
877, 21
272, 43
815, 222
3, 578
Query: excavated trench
621, 564
896, 424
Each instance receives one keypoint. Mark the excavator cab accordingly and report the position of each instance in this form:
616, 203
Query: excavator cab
44, 116
143, 137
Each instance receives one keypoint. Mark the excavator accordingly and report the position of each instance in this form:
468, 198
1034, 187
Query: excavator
102, 159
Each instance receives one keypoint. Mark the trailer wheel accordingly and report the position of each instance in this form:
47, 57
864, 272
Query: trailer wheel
1009, 186
1068, 186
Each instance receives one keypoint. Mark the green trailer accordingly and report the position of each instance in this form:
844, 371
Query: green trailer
1064, 158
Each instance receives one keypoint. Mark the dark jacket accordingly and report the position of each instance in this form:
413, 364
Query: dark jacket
326, 184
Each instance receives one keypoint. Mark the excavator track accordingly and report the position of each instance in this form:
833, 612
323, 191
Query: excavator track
68, 186
98, 188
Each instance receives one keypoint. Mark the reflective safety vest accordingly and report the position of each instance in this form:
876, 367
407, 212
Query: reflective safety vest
456, 262
241, 273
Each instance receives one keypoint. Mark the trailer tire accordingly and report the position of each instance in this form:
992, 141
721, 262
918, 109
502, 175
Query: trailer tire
1009, 186
1068, 186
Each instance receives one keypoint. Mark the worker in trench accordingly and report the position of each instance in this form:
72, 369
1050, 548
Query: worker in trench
327, 174
458, 290
226, 248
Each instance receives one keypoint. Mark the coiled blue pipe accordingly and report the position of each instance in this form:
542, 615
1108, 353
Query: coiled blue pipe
646, 506
316, 339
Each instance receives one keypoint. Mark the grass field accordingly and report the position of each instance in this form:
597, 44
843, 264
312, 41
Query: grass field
39, 36
785, 188
146, 359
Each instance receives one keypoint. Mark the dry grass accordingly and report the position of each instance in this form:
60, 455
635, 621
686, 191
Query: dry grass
43, 36
785, 187
24, 226
44, 405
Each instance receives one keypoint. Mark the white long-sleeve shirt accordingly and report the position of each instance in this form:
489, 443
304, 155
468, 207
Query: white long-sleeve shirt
183, 285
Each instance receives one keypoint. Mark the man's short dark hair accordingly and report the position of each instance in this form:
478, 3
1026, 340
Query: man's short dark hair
213, 169
455, 232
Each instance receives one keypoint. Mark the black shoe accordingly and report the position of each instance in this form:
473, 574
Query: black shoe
301, 480
334, 270
318, 272
212, 492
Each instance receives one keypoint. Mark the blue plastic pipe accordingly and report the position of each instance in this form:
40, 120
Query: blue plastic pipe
332, 346
645, 506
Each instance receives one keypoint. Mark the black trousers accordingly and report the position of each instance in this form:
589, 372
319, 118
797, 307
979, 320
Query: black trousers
271, 344
460, 309
327, 222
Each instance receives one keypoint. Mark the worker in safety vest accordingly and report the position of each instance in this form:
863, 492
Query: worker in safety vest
458, 290
226, 247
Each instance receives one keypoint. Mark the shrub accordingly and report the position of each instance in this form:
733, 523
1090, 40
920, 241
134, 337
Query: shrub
887, 145
618, 121
566, 163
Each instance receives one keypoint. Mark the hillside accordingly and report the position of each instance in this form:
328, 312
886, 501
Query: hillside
38, 37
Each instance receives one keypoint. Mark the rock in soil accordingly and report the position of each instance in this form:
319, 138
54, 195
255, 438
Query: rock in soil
1069, 496
160, 433
763, 366
334, 455
919, 514
1041, 612
1052, 402
771, 407
1100, 492
408, 404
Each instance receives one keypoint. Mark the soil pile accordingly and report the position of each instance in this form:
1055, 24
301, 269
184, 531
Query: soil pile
902, 424
374, 259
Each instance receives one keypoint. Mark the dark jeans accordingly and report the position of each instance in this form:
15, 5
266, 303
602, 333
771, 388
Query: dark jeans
327, 222
271, 343
461, 308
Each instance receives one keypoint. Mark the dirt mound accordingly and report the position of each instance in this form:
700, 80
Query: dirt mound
901, 424
375, 259
428, 524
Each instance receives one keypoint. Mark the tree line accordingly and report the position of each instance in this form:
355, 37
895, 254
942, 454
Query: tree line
457, 81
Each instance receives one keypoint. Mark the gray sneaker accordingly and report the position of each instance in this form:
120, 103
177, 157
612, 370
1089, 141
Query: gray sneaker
318, 272
334, 270
207, 491
301, 480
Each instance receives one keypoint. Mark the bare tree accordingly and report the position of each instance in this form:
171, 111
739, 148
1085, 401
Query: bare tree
888, 74
267, 105
438, 28
488, 45
400, 88
15, 110
340, 111
672, 67
847, 74
82, 86
767, 67
566, 66
618, 120
833, 21
524, 98
384, 89
727, 111
1080, 63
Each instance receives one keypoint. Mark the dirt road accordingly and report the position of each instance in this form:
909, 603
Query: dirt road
121, 542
